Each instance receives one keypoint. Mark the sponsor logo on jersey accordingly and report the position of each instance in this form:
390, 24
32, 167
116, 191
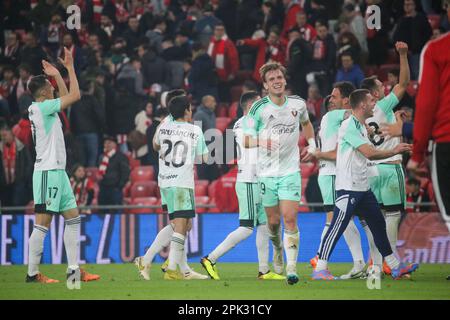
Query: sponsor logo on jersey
283, 129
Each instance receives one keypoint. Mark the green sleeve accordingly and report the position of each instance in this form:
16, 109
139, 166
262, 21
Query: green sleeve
353, 136
201, 145
388, 103
49, 107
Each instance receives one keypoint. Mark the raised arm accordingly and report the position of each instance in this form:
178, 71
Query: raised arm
403, 82
74, 93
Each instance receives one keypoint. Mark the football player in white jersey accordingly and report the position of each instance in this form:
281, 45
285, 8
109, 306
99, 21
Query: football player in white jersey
353, 194
164, 236
251, 211
52, 191
389, 185
326, 154
273, 126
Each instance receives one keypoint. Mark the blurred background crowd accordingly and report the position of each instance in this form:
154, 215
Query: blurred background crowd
129, 53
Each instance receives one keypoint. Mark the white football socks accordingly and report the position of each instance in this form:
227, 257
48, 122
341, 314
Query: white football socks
392, 222
353, 239
184, 267
71, 235
291, 242
36, 247
162, 240
262, 246
176, 250
375, 255
230, 242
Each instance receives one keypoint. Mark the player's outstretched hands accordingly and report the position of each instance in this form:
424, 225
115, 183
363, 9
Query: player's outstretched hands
401, 47
49, 69
68, 59
403, 148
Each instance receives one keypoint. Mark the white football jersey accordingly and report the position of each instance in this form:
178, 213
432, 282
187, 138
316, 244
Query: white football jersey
352, 166
180, 143
280, 124
383, 113
247, 157
328, 137
48, 137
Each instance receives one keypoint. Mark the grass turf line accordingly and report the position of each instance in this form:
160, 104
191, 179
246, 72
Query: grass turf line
121, 281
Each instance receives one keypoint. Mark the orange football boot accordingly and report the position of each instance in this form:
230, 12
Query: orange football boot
40, 278
386, 268
86, 276
313, 262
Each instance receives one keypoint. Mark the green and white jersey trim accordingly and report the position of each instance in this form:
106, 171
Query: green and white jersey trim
48, 137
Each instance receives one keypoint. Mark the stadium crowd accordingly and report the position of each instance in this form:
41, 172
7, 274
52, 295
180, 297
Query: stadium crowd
129, 53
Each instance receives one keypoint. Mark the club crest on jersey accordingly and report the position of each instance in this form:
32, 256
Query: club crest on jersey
294, 113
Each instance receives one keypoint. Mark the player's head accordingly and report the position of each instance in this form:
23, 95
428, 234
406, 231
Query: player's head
362, 102
174, 93
40, 88
180, 108
339, 98
273, 75
247, 99
375, 87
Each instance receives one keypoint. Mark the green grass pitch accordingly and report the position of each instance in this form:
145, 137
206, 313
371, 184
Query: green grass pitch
121, 281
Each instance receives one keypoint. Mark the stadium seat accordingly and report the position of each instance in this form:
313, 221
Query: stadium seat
383, 70
211, 192
434, 20
143, 189
133, 162
144, 201
142, 173
235, 93
222, 123
412, 88
233, 109
201, 200
222, 109
201, 190
92, 172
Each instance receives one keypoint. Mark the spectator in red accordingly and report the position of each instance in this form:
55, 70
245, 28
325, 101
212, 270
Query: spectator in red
226, 59
83, 187
290, 18
432, 118
16, 168
416, 196
306, 30
269, 49
22, 130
